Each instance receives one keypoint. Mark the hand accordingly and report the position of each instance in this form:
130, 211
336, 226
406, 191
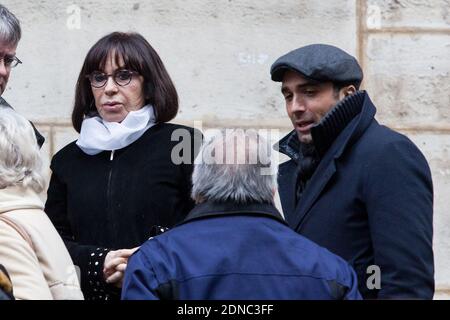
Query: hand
115, 265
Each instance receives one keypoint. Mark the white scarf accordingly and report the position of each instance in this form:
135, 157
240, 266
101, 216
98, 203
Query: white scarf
97, 135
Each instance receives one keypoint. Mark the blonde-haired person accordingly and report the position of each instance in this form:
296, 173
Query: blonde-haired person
30, 247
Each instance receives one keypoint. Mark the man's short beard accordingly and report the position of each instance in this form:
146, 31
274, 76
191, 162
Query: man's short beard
302, 136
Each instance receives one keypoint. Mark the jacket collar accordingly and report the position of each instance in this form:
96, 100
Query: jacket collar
290, 146
4, 104
334, 122
214, 209
16, 198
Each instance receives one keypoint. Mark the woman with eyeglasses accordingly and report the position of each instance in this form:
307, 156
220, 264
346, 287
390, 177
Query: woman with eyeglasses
125, 175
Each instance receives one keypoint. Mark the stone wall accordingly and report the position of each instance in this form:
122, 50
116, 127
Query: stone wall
219, 54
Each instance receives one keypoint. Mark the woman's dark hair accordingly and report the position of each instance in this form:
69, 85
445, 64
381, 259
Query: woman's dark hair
138, 55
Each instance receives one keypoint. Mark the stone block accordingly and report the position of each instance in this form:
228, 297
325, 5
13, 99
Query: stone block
408, 78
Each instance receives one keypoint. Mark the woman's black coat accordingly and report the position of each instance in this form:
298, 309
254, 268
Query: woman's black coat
113, 200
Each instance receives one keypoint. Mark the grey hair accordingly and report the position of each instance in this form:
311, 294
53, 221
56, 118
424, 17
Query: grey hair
20, 160
248, 176
10, 31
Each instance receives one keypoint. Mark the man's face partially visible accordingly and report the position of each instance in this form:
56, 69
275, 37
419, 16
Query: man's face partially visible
6, 50
307, 102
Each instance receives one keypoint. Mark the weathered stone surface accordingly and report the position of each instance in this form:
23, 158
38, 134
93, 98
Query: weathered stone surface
408, 13
408, 78
442, 295
63, 136
217, 52
436, 149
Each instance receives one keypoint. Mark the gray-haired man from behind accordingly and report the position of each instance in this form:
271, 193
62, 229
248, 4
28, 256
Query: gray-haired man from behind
234, 244
10, 33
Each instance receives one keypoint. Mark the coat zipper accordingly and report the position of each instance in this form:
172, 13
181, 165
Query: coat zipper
108, 194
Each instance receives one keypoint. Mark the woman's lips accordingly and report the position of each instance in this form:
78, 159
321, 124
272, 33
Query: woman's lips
111, 106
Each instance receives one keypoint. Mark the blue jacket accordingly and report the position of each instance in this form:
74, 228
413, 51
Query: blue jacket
224, 251
370, 201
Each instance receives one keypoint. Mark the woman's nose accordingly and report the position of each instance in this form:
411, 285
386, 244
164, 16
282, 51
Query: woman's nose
110, 86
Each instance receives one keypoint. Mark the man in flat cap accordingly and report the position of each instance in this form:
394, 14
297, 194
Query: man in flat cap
10, 33
352, 185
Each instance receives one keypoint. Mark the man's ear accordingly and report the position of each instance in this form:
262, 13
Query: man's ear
346, 91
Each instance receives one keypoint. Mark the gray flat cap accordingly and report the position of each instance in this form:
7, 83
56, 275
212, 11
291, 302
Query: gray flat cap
320, 62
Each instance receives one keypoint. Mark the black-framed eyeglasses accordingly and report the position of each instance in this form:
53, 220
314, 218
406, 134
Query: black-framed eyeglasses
10, 61
121, 77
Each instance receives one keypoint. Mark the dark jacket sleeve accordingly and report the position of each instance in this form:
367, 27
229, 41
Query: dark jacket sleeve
39, 137
399, 200
88, 258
